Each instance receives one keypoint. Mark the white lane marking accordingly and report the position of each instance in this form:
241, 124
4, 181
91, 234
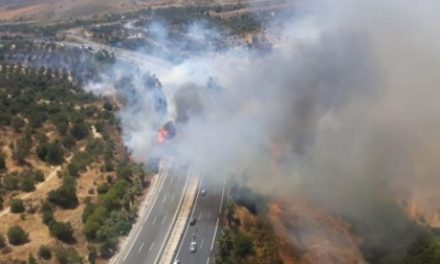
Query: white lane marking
215, 234
165, 240
207, 261
221, 201
200, 215
163, 219
201, 243
192, 213
162, 180
140, 248
151, 247
154, 220
209, 215
172, 197
164, 198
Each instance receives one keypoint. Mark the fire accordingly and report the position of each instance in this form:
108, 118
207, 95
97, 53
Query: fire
162, 135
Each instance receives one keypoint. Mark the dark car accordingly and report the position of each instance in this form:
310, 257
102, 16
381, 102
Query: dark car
192, 221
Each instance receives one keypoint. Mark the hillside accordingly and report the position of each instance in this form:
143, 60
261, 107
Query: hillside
68, 188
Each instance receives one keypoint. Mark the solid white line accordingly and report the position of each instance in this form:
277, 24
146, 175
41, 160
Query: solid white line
154, 220
207, 261
215, 234
140, 248
151, 247
221, 201
165, 240
164, 198
163, 220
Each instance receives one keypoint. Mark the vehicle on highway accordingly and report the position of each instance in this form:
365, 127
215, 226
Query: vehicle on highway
177, 261
203, 192
192, 221
193, 247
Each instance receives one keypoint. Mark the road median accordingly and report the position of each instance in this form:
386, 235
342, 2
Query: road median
180, 222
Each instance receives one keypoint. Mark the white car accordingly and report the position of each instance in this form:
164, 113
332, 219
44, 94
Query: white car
177, 261
203, 192
193, 247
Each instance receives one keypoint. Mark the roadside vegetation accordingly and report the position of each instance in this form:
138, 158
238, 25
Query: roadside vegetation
247, 235
63, 166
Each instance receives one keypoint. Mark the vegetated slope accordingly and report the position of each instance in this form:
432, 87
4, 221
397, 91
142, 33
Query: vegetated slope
67, 185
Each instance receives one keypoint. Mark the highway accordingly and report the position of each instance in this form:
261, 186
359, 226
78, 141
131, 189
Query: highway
206, 210
146, 243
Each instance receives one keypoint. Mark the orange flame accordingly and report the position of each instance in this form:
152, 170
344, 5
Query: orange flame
162, 135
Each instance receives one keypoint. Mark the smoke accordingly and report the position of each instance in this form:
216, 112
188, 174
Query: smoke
343, 111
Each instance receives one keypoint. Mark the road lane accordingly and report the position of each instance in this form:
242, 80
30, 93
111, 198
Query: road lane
147, 246
206, 210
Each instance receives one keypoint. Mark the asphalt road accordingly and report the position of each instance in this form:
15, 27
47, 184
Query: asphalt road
148, 244
206, 210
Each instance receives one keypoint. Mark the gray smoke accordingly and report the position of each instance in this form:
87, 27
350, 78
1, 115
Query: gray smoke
343, 109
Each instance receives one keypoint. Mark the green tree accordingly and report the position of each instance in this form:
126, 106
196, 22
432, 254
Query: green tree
17, 235
27, 185
16, 205
68, 256
54, 155
62, 231
80, 130
51, 153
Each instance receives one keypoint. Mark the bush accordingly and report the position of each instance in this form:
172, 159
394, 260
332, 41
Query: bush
17, 236
51, 153
2, 163
65, 195
62, 231
88, 211
27, 185
80, 130
47, 213
68, 256
16, 205
44, 252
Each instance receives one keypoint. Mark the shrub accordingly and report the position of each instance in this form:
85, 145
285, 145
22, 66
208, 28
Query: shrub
16, 206
27, 185
65, 195
17, 236
44, 252
2, 162
80, 130
68, 256
62, 231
